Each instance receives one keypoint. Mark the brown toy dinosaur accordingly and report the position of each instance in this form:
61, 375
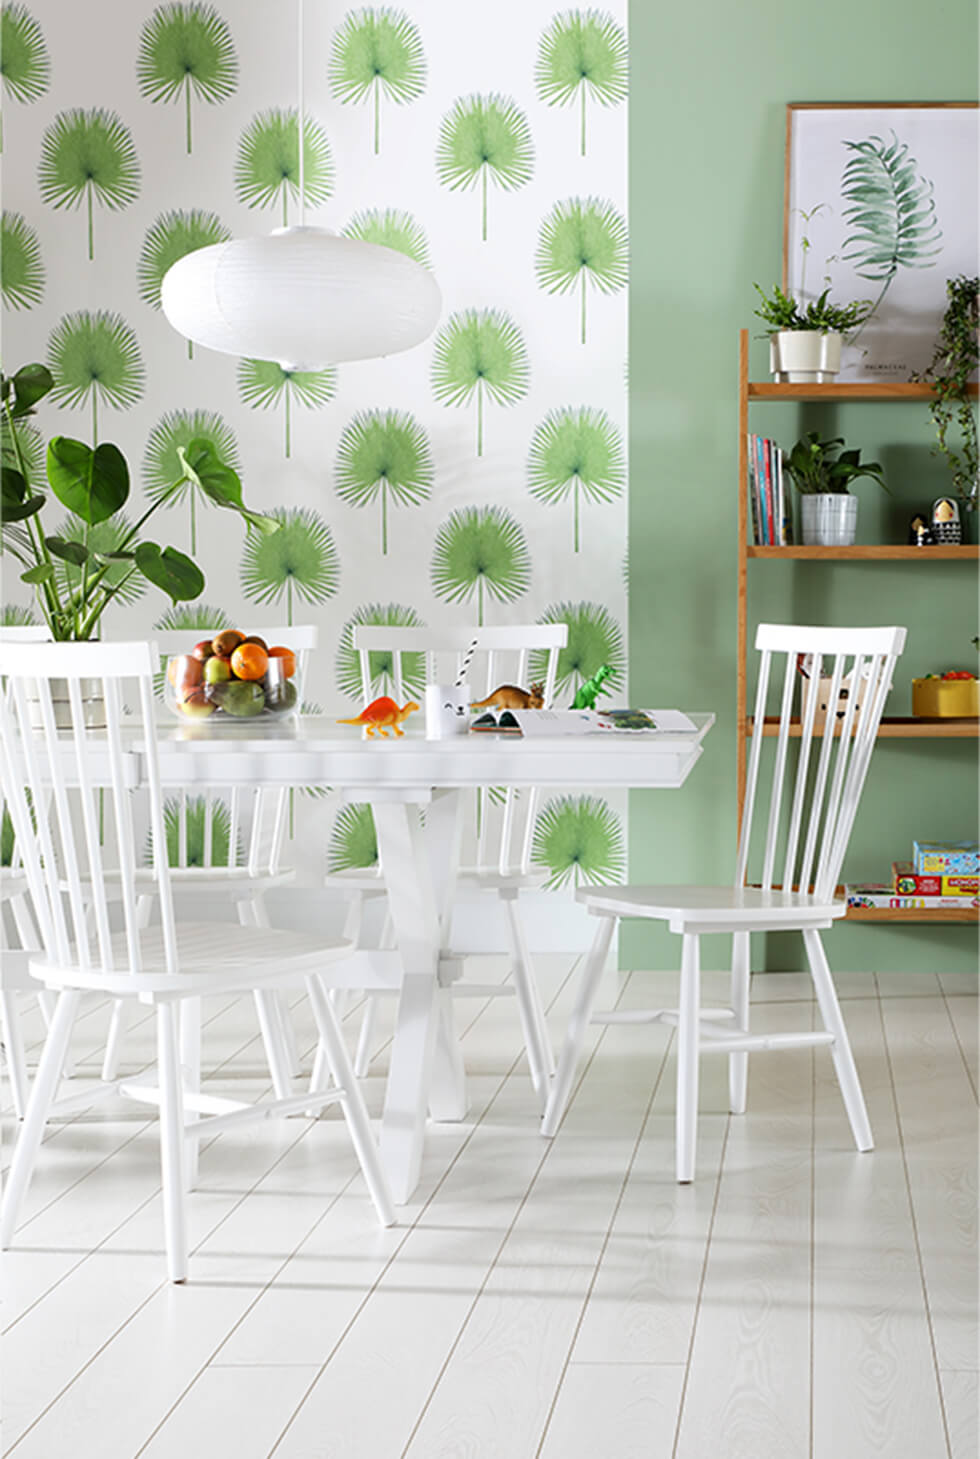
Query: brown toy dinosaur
381, 715
508, 696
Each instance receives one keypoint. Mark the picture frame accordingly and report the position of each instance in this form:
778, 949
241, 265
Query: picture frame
880, 203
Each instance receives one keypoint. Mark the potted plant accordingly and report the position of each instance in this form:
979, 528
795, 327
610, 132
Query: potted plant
805, 341
821, 473
949, 372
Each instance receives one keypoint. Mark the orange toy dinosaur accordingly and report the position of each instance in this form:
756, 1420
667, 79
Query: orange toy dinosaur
382, 714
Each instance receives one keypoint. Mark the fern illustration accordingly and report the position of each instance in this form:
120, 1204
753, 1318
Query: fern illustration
21, 270
186, 48
25, 69
162, 465
267, 167
384, 454
391, 228
381, 662
594, 639
353, 840
300, 558
377, 52
483, 139
582, 53
481, 353
577, 452
480, 551
172, 236
95, 357
579, 839
582, 243
88, 155
892, 211
262, 384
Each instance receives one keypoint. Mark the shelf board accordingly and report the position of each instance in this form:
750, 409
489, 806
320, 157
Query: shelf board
874, 552
913, 914
872, 390
897, 727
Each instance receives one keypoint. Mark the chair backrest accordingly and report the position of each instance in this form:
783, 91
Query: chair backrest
400, 661
835, 683
25, 633
69, 793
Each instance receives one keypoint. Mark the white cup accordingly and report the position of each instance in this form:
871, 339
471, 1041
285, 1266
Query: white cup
447, 710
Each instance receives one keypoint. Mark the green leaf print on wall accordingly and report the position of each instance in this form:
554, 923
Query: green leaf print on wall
21, 270
582, 53
190, 827
579, 839
194, 617
577, 453
383, 454
381, 663
172, 236
594, 639
353, 840
300, 558
186, 49
481, 353
95, 357
88, 155
267, 167
12, 615
24, 66
162, 465
391, 228
479, 552
262, 384
484, 139
377, 52
107, 536
583, 243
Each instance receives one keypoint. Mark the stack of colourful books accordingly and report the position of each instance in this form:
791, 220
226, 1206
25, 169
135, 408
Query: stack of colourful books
772, 524
939, 875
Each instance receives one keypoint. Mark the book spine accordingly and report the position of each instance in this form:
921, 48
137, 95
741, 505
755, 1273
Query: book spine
752, 492
786, 515
770, 502
760, 468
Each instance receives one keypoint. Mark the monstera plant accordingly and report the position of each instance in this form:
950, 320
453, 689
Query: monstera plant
93, 483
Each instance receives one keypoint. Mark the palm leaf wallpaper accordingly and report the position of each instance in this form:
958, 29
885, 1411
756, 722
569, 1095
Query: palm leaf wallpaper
479, 478
578, 840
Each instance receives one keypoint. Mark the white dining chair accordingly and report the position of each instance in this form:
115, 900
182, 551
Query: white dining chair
792, 886
95, 939
399, 660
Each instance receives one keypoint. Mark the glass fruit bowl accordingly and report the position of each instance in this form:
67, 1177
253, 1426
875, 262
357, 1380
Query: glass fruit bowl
250, 682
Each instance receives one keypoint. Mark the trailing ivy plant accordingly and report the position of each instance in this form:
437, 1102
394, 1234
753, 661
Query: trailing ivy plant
949, 372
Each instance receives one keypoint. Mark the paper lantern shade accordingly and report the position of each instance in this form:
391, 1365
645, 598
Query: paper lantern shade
302, 296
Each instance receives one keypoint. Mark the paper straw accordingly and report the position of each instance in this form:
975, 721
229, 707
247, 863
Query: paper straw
466, 663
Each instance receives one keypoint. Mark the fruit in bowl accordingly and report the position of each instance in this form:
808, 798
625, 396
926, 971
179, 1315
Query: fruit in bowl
233, 674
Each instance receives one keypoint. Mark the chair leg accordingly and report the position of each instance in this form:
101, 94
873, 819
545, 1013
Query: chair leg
365, 1037
38, 1106
540, 1058
738, 1064
114, 1038
172, 1141
840, 1049
280, 1045
688, 1032
577, 1024
13, 1045
189, 1024
276, 1050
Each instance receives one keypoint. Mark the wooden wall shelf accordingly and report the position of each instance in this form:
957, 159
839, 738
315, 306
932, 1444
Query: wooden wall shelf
947, 915
897, 727
874, 552
897, 390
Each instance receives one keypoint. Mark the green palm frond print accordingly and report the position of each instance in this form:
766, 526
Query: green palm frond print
299, 559
582, 53
583, 243
267, 167
193, 616
480, 552
186, 49
12, 615
377, 51
353, 840
95, 357
162, 464
21, 269
88, 155
577, 452
892, 210
171, 237
391, 228
594, 639
203, 833
29, 454
483, 139
579, 840
481, 353
107, 536
381, 663
7, 838
384, 454
24, 65
262, 384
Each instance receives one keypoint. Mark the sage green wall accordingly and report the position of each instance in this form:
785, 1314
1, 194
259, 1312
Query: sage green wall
709, 87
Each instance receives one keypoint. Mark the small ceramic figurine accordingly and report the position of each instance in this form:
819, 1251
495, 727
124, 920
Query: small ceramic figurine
508, 696
381, 715
946, 521
589, 692
920, 534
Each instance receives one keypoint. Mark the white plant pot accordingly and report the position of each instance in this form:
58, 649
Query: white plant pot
804, 356
93, 704
829, 519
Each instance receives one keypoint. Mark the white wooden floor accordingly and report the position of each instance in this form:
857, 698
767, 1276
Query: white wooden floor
537, 1301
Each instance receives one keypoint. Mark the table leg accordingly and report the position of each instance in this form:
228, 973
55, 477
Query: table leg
443, 839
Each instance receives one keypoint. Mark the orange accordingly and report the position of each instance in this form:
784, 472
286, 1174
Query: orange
249, 661
288, 659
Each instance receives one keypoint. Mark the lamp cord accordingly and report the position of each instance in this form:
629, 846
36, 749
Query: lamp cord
299, 68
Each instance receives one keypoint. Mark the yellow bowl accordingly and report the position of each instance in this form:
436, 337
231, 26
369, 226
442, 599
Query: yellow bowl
945, 699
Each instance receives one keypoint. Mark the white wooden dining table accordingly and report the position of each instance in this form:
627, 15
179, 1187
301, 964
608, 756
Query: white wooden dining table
398, 777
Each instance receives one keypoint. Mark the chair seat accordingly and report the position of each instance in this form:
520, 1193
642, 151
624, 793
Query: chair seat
730, 908
488, 878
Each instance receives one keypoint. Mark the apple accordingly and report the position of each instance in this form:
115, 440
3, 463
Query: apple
203, 650
217, 670
195, 705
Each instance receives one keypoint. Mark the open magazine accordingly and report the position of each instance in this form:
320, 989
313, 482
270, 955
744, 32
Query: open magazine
562, 722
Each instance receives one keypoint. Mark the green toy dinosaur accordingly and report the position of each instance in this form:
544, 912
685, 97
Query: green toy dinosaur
589, 692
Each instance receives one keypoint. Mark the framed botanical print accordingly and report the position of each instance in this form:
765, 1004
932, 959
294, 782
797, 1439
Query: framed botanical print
880, 204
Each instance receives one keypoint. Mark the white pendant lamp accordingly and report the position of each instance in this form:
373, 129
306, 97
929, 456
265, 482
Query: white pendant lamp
303, 296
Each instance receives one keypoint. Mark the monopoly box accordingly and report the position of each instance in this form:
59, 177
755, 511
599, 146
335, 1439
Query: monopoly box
906, 883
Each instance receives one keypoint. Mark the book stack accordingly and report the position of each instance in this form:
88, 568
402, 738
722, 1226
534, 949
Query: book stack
768, 494
937, 876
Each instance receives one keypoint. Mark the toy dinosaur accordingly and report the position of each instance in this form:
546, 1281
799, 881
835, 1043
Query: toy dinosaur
381, 715
508, 696
589, 692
